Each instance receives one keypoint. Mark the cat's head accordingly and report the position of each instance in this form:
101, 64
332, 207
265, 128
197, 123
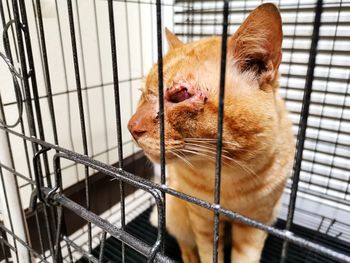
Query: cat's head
191, 90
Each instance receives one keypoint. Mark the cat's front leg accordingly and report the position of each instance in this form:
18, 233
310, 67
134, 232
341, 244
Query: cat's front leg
202, 222
248, 243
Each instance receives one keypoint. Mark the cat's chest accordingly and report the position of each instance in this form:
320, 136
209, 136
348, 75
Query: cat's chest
235, 187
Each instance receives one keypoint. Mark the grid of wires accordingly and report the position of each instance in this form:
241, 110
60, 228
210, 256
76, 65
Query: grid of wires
315, 59
324, 171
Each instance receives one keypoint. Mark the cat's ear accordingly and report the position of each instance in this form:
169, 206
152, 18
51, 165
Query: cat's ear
173, 41
256, 45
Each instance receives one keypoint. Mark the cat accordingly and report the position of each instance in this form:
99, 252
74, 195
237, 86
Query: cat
258, 143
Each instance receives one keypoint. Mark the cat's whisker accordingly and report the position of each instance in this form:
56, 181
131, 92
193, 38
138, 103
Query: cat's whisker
212, 158
244, 167
199, 154
210, 151
227, 158
199, 143
183, 159
200, 139
184, 156
213, 140
195, 146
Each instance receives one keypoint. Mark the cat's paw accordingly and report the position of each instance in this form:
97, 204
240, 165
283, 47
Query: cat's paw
154, 217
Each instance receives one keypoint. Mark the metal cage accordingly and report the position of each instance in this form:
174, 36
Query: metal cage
69, 73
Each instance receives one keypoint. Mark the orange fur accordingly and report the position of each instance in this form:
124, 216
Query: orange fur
257, 136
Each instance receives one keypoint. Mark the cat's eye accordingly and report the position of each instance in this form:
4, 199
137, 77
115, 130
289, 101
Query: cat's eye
179, 96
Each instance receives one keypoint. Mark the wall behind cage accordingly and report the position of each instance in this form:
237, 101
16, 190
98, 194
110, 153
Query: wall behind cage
135, 25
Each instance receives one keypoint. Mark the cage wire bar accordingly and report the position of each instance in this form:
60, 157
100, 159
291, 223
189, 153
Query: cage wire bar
303, 125
120, 174
51, 195
117, 109
161, 113
21, 26
218, 163
81, 109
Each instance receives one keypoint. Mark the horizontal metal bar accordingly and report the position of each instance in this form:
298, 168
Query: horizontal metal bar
282, 8
211, 22
287, 36
137, 181
116, 232
142, 2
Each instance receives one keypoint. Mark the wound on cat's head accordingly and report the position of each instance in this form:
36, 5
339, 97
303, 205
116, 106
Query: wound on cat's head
191, 87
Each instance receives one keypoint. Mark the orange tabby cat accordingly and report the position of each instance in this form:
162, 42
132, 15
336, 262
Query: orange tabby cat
257, 136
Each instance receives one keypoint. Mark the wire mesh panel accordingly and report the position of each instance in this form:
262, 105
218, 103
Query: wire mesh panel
69, 77
70, 91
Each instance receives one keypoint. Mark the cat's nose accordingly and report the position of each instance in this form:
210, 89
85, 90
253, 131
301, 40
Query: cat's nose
136, 128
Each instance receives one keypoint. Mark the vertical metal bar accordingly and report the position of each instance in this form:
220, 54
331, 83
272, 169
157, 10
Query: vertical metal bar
342, 118
140, 34
329, 66
117, 114
49, 218
188, 21
5, 34
102, 246
141, 44
8, 52
50, 100
103, 100
81, 110
32, 76
201, 20
19, 29
129, 55
12, 31
69, 251
303, 123
69, 121
29, 108
39, 183
292, 50
9, 55
58, 255
192, 20
47, 72
161, 106
87, 108
115, 81
220, 130
37, 222
152, 32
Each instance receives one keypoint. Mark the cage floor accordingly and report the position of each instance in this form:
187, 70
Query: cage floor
141, 228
